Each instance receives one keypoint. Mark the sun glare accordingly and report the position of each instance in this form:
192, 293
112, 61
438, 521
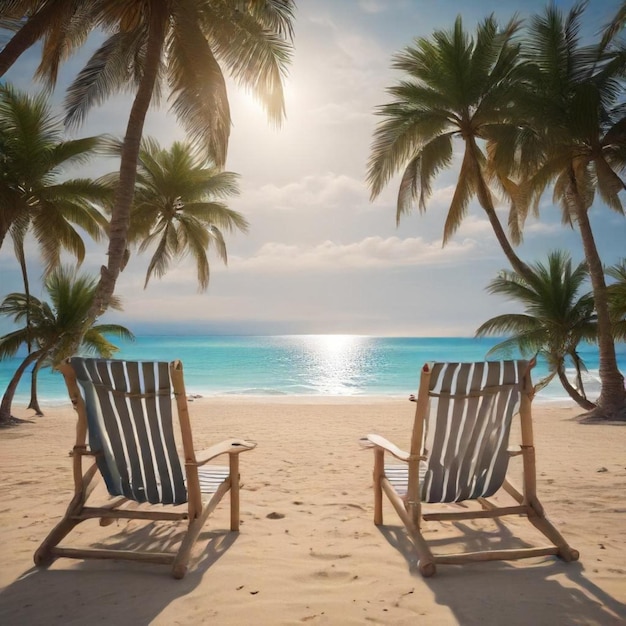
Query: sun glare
251, 104
335, 344
335, 362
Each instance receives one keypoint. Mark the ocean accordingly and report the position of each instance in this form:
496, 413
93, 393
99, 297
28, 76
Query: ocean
303, 365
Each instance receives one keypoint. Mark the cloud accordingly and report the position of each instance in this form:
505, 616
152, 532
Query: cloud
327, 190
371, 252
372, 6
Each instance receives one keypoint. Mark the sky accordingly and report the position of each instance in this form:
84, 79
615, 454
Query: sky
320, 257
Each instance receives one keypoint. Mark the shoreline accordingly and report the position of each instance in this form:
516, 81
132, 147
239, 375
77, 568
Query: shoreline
311, 399
308, 550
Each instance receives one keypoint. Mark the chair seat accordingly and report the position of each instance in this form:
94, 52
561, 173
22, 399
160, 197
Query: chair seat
211, 477
398, 476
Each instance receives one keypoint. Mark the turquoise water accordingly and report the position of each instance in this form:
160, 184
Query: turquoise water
314, 365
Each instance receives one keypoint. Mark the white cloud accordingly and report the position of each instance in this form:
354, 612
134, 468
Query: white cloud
327, 190
543, 228
373, 6
371, 252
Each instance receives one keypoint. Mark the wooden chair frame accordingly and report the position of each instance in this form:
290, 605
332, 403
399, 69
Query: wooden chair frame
195, 515
409, 508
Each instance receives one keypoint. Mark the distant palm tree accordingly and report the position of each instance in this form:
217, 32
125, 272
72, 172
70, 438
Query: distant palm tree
35, 193
572, 139
455, 86
54, 326
556, 318
178, 208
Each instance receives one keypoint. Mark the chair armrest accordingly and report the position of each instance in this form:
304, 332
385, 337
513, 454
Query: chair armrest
228, 446
376, 441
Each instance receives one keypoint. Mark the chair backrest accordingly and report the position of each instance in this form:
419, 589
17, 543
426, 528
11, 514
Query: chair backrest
128, 409
466, 427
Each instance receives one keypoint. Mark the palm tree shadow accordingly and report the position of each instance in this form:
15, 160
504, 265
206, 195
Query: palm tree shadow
501, 592
111, 591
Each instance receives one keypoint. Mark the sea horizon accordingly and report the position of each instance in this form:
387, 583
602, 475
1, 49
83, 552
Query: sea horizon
303, 365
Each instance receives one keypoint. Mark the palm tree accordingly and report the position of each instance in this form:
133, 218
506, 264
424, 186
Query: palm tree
555, 319
53, 327
574, 119
62, 26
32, 195
182, 48
455, 86
177, 206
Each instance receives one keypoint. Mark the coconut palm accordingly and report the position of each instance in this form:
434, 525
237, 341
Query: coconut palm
181, 48
33, 195
178, 208
53, 327
61, 25
33, 198
556, 318
454, 86
575, 112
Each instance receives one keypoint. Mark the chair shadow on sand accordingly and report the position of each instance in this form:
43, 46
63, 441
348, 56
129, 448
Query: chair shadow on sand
110, 591
499, 592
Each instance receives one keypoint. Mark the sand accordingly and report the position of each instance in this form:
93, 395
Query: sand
308, 551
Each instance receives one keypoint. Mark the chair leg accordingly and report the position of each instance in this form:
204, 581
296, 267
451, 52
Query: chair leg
426, 560
84, 487
379, 468
234, 492
543, 524
43, 555
181, 561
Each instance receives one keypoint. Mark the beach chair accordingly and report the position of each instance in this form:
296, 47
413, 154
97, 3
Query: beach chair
459, 453
125, 410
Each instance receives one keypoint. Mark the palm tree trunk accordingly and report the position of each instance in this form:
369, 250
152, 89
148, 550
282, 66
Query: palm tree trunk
485, 199
118, 229
4, 228
34, 400
21, 257
612, 401
25, 37
579, 375
9, 394
572, 391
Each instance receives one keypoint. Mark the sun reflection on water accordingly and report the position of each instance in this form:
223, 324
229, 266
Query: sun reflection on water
336, 364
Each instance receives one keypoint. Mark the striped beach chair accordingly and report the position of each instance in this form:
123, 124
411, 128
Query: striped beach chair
126, 426
460, 452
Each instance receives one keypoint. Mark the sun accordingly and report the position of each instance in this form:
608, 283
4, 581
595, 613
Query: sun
248, 103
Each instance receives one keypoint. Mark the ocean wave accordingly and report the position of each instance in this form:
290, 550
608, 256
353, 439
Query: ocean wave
251, 391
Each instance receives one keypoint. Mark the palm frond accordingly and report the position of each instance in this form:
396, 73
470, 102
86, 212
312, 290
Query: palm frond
465, 189
609, 185
198, 89
256, 57
108, 71
416, 183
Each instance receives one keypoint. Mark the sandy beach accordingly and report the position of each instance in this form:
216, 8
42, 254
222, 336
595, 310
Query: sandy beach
308, 551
